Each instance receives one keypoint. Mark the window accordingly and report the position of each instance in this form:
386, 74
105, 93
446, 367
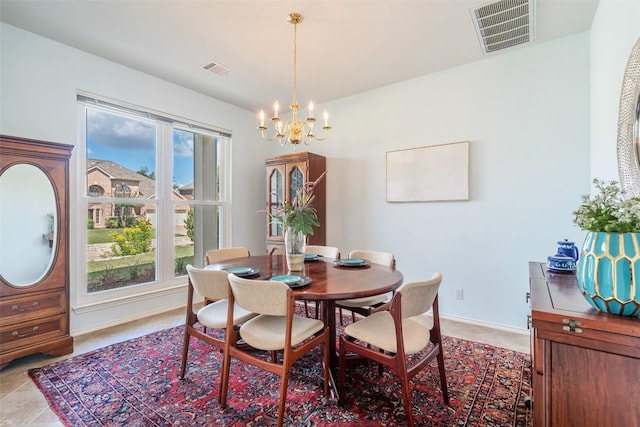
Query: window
155, 198
95, 191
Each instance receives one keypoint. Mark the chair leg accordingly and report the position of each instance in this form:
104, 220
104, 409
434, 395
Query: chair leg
342, 368
185, 351
317, 309
443, 377
325, 367
224, 380
306, 309
283, 396
406, 397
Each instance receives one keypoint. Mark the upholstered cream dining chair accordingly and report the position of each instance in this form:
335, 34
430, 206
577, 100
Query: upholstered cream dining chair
388, 337
223, 254
327, 254
218, 255
213, 285
364, 305
275, 329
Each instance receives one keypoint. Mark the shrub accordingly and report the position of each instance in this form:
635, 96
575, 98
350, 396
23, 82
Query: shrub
112, 222
90, 224
133, 240
131, 221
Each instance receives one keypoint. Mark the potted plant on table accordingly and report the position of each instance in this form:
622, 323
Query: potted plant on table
297, 218
610, 258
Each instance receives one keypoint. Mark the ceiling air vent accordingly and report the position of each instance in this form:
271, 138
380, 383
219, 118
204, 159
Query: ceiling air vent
503, 24
216, 68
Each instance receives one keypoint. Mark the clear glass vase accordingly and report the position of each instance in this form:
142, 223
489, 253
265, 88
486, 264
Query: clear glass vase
294, 244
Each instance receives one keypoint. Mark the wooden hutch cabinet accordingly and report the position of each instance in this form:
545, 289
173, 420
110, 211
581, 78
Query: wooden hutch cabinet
285, 175
34, 248
585, 363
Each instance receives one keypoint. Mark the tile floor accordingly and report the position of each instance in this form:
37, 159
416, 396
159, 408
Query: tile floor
22, 404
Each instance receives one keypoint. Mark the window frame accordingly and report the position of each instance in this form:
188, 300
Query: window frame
166, 282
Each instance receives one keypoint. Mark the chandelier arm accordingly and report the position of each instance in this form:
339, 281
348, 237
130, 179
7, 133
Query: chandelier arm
271, 138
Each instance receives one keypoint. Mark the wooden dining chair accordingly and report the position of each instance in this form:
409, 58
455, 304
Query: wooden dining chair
276, 329
223, 254
214, 285
389, 336
218, 255
327, 254
364, 305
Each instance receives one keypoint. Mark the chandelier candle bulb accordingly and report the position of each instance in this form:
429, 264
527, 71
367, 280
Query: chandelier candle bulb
262, 119
311, 109
326, 119
276, 107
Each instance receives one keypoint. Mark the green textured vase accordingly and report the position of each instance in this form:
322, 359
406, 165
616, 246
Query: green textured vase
608, 271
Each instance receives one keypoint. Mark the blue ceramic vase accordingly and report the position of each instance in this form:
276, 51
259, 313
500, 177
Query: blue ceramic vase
608, 272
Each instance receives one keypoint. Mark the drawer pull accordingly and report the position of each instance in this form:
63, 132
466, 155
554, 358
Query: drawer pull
19, 335
572, 326
529, 321
16, 307
527, 297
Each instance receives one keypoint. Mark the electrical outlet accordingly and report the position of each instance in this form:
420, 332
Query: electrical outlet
459, 294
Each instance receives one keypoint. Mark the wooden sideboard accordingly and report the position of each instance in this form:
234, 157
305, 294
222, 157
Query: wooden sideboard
585, 363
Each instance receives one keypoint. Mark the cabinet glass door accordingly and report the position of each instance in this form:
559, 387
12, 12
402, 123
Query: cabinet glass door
276, 199
296, 178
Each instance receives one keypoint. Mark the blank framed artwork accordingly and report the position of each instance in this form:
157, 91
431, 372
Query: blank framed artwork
428, 174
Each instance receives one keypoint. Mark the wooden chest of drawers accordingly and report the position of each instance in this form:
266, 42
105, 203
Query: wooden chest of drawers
586, 364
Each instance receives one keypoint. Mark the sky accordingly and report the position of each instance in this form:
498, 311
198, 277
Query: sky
132, 143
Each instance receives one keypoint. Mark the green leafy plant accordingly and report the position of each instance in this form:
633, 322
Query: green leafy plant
188, 224
133, 240
608, 210
299, 215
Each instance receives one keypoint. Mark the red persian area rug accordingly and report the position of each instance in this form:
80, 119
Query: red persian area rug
135, 383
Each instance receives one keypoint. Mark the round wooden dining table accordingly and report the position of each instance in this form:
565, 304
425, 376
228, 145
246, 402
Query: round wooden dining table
329, 283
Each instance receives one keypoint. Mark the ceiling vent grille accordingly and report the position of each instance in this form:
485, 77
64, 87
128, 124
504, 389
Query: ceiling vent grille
503, 24
216, 68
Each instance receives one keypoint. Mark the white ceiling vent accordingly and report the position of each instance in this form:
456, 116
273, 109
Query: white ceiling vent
216, 68
503, 24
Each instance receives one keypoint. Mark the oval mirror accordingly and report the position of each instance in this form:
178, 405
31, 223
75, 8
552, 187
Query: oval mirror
28, 219
629, 126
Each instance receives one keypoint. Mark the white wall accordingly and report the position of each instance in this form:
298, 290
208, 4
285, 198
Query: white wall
615, 29
526, 114
38, 85
534, 137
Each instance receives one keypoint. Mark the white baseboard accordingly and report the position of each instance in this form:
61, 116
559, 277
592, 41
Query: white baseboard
475, 322
122, 320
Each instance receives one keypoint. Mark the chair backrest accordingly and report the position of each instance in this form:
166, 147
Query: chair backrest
324, 251
212, 284
217, 255
418, 297
376, 257
261, 296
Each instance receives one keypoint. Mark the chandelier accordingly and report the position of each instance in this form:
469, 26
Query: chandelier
294, 131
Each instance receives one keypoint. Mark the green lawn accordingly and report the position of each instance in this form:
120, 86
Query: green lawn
99, 235
127, 270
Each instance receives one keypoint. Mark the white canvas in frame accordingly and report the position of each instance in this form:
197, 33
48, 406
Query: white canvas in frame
426, 174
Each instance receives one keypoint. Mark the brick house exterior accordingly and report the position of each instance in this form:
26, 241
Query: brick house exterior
109, 179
